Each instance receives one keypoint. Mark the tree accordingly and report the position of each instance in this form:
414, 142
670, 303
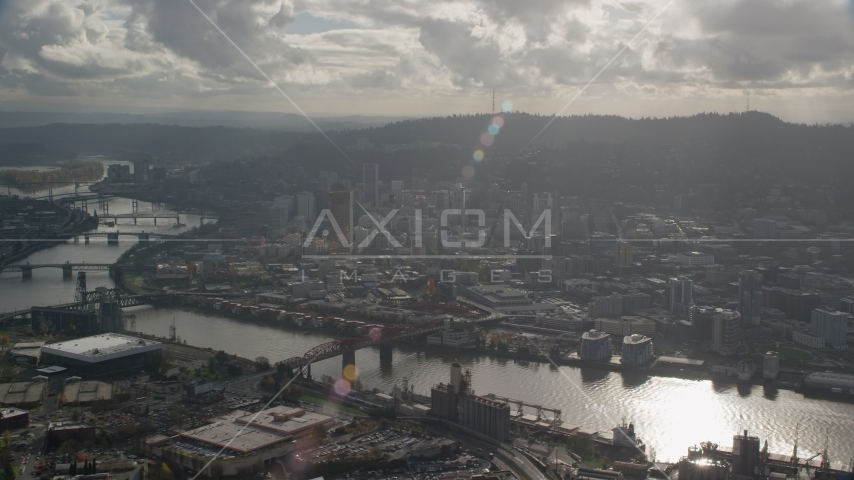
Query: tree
262, 364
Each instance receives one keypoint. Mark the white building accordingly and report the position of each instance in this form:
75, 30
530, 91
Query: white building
637, 350
595, 346
830, 325
807, 340
771, 366
695, 258
452, 338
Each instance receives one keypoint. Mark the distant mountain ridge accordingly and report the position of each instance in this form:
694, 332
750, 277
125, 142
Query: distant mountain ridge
198, 118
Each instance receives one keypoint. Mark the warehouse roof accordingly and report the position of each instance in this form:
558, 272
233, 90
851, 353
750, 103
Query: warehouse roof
98, 348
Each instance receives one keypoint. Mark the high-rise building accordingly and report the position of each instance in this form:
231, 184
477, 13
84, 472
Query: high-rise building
371, 181
623, 254
140, 171
831, 325
764, 228
726, 332
681, 295
341, 207
278, 215
637, 350
305, 207
595, 346
541, 203
750, 297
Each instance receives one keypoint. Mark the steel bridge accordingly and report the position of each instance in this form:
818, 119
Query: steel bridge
123, 301
115, 217
377, 336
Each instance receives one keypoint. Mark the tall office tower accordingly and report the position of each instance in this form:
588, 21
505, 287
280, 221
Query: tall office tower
397, 192
541, 202
726, 332
623, 254
575, 225
341, 207
750, 297
305, 207
279, 213
371, 180
681, 295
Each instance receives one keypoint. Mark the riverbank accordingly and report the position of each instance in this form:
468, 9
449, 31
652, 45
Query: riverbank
74, 223
27, 180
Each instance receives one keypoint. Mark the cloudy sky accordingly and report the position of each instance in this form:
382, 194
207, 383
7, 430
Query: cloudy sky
420, 57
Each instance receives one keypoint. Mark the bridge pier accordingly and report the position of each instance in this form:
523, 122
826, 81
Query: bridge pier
27, 272
305, 372
144, 238
386, 354
112, 238
76, 239
86, 239
66, 271
155, 221
348, 358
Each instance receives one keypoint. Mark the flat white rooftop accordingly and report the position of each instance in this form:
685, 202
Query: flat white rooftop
99, 348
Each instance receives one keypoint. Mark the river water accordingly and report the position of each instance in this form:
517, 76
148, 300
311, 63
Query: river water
670, 414
47, 287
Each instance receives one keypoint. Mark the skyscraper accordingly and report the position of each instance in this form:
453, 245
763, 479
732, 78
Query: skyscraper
305, 206
371, 180
341, 207
750, 297
681, 295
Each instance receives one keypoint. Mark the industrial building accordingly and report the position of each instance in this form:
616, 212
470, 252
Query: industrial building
46, 319
746, 462
78, 392
241, 439
27, 353
595, 346
12, 418
103, 354
833, 382
60, 432
497, 296
456, 402
23, 394
637, 350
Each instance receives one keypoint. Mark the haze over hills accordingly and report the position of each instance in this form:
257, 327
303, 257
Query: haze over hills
196, 118
751, 138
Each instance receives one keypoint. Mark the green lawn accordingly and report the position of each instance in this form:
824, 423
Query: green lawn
327, 403
792, 354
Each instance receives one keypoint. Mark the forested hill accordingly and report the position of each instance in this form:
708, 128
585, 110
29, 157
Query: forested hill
521, 128
753, 137
182, 144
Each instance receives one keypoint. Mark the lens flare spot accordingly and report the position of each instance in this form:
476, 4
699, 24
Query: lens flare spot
486, 139
478, 155
351, 373
506, 106
375, 333
341, 387
468, 171
493, 129
498, 122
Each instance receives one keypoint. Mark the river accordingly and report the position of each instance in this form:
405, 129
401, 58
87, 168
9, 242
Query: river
670, 414
47, 287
